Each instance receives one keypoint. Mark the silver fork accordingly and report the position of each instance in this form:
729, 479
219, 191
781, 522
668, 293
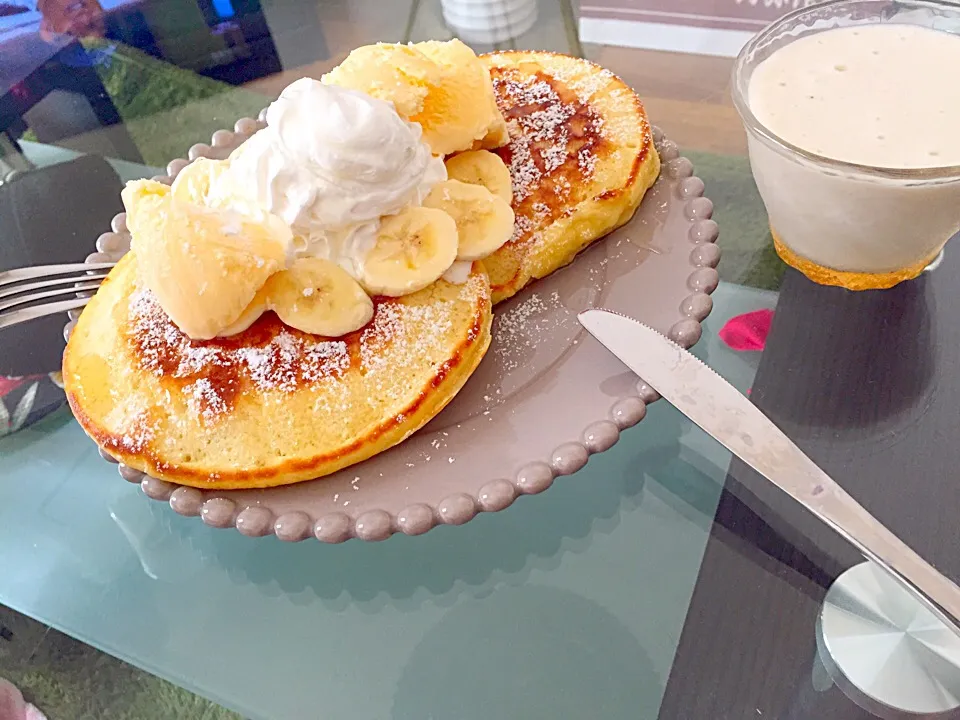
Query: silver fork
33, 292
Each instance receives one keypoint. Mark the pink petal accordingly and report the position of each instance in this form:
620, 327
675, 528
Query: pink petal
748, 331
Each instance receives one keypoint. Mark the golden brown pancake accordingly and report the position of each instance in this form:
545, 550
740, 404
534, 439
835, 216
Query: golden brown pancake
272, 405
580, 155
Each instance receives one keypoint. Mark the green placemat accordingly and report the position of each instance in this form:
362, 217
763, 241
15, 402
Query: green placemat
748, 256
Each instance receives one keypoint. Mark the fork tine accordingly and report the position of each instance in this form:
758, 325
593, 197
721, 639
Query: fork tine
24, 299
17, 288
14, 317
40, 271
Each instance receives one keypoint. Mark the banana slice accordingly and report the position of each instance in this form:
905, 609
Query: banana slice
484, 220
413, 249
193, 183
204, 266
318, 297
481, 167
314, 295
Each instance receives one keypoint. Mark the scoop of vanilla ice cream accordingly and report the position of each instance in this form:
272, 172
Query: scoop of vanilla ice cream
442, 86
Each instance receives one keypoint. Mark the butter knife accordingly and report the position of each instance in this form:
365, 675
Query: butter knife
721, 411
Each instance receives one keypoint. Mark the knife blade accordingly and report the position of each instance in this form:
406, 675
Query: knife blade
724, 413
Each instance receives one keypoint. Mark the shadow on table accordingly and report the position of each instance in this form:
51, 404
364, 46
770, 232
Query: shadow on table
494, 548
877, 359
533, 533
541, 652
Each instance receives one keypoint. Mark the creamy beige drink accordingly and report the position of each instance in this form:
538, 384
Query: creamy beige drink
873, 95
876, 95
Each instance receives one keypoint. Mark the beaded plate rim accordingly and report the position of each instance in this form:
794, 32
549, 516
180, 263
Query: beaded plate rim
534, 477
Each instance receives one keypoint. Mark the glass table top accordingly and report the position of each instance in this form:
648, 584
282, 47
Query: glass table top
577, 590
661, 581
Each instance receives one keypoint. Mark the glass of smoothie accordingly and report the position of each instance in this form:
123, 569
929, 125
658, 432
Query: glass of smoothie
852, 111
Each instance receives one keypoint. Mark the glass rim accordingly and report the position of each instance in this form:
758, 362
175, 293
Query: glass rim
752, 124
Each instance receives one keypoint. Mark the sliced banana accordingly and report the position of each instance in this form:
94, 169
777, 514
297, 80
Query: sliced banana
413, 249
193, 183
484, 221
481, 167
319, 297
315, 296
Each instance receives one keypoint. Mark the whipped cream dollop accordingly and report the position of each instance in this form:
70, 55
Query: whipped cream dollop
331, 162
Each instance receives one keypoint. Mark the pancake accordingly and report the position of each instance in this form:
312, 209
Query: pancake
272, 405
580, 155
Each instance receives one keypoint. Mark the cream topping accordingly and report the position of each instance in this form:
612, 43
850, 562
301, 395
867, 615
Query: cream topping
331, 162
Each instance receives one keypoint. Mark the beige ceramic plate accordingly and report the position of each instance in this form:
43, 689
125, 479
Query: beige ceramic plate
544, 398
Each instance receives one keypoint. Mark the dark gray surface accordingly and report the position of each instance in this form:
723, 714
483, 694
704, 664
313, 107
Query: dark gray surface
23, 54
865, 383
45, 218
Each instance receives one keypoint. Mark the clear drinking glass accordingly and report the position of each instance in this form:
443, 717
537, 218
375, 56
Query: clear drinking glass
840, 223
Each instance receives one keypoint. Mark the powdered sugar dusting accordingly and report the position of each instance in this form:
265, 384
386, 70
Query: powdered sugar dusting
137, 434
476, 286
516, 320
524, 173
525, 325
536, 118
217, 370
130, 422
553, 157
585, 84
276, 366
522, 226
204, 400
325, 359
393, 324
278, 359
554, 137
418, 334
586, 161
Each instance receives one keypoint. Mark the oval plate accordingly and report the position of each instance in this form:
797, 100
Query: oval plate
546, 395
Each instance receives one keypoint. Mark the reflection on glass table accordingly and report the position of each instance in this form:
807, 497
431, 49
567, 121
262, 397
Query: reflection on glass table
611, 552
568, 604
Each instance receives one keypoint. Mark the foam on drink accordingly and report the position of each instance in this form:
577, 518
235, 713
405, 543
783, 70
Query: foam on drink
880, 95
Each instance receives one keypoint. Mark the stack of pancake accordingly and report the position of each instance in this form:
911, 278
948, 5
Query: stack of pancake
273, 405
